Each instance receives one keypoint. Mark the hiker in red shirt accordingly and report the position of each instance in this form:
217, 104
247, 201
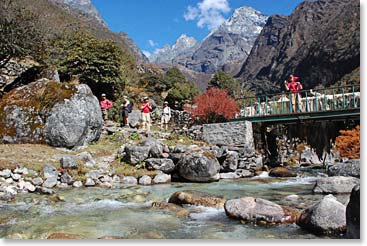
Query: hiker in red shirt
294, 86
146, 108
105, 106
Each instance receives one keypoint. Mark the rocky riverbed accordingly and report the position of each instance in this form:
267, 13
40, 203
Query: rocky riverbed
186, 189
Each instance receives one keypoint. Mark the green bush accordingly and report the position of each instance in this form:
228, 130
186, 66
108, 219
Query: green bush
98, 63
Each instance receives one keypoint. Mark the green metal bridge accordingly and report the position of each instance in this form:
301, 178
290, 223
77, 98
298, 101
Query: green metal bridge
336, 103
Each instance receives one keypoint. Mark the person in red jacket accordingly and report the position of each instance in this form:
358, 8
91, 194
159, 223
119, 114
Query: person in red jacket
105, 106
294, 86
146, 108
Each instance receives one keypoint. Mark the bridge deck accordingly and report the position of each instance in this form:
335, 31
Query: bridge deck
327, 104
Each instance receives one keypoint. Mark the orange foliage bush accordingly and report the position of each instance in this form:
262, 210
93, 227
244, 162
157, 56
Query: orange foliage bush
348, 143
214, 106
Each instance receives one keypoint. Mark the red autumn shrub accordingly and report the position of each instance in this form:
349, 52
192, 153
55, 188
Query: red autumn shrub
214, 106
348, 143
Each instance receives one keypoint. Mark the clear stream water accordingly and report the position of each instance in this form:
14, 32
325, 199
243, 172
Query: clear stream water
127, 212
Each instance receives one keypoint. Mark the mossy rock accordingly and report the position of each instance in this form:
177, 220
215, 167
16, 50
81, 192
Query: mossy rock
51, 112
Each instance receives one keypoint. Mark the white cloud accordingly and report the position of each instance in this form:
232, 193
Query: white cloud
208, 13
147, 53
152, 43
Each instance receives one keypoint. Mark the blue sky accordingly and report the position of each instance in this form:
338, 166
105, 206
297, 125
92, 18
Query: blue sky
155, 23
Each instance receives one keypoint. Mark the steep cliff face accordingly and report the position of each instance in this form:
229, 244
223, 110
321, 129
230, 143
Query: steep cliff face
84, 6
86, 10
138, 54
228, 46
319, 42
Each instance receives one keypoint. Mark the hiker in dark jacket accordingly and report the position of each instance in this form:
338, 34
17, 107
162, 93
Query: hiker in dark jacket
126, 108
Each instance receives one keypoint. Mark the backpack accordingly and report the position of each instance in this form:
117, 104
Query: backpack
154, 107
130, 107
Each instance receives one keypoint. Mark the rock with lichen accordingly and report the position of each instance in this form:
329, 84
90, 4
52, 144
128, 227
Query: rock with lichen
51, 112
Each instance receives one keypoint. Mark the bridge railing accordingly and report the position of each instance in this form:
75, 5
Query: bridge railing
307, 101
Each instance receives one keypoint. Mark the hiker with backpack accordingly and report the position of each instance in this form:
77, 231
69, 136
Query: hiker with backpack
146, 107
166, 116
126, 108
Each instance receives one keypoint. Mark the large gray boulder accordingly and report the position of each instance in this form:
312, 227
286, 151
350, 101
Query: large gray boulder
325, 217
197, 198
350, 168
76, 121
45, 111
335, 185
136, 154
353, 214
134, 118
199, 166
164, 165
230, 163
250, 209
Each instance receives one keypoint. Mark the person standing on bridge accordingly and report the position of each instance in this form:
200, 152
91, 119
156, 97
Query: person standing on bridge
294, 86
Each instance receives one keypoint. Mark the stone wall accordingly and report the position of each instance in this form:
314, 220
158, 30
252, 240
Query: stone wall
230, 133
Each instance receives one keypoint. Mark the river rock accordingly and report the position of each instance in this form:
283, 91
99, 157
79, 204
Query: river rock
6, 173
94, 174
233, 175
325, 217
69, 162
37, 181
45, 190
16, 176
12, 190
230, 163
244, 173
116, 179
145, 180
281, 172
353, 214
335, 185
78, 184
199, 166
197, 198
66, 178
50, 182
250, 209
179, 211
136, 154
87, 159
162, 178
350, 168
4, 196
20, 170
50, 171
61, 235
129, 180
29, 187
89, 182
156, 147
134, 118
164, 165
184, 148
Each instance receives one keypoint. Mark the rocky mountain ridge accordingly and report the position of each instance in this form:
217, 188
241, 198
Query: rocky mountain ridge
223, 49
87, 8
319, 42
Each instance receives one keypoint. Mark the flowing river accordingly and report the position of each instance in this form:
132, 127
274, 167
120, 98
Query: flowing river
126, 212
